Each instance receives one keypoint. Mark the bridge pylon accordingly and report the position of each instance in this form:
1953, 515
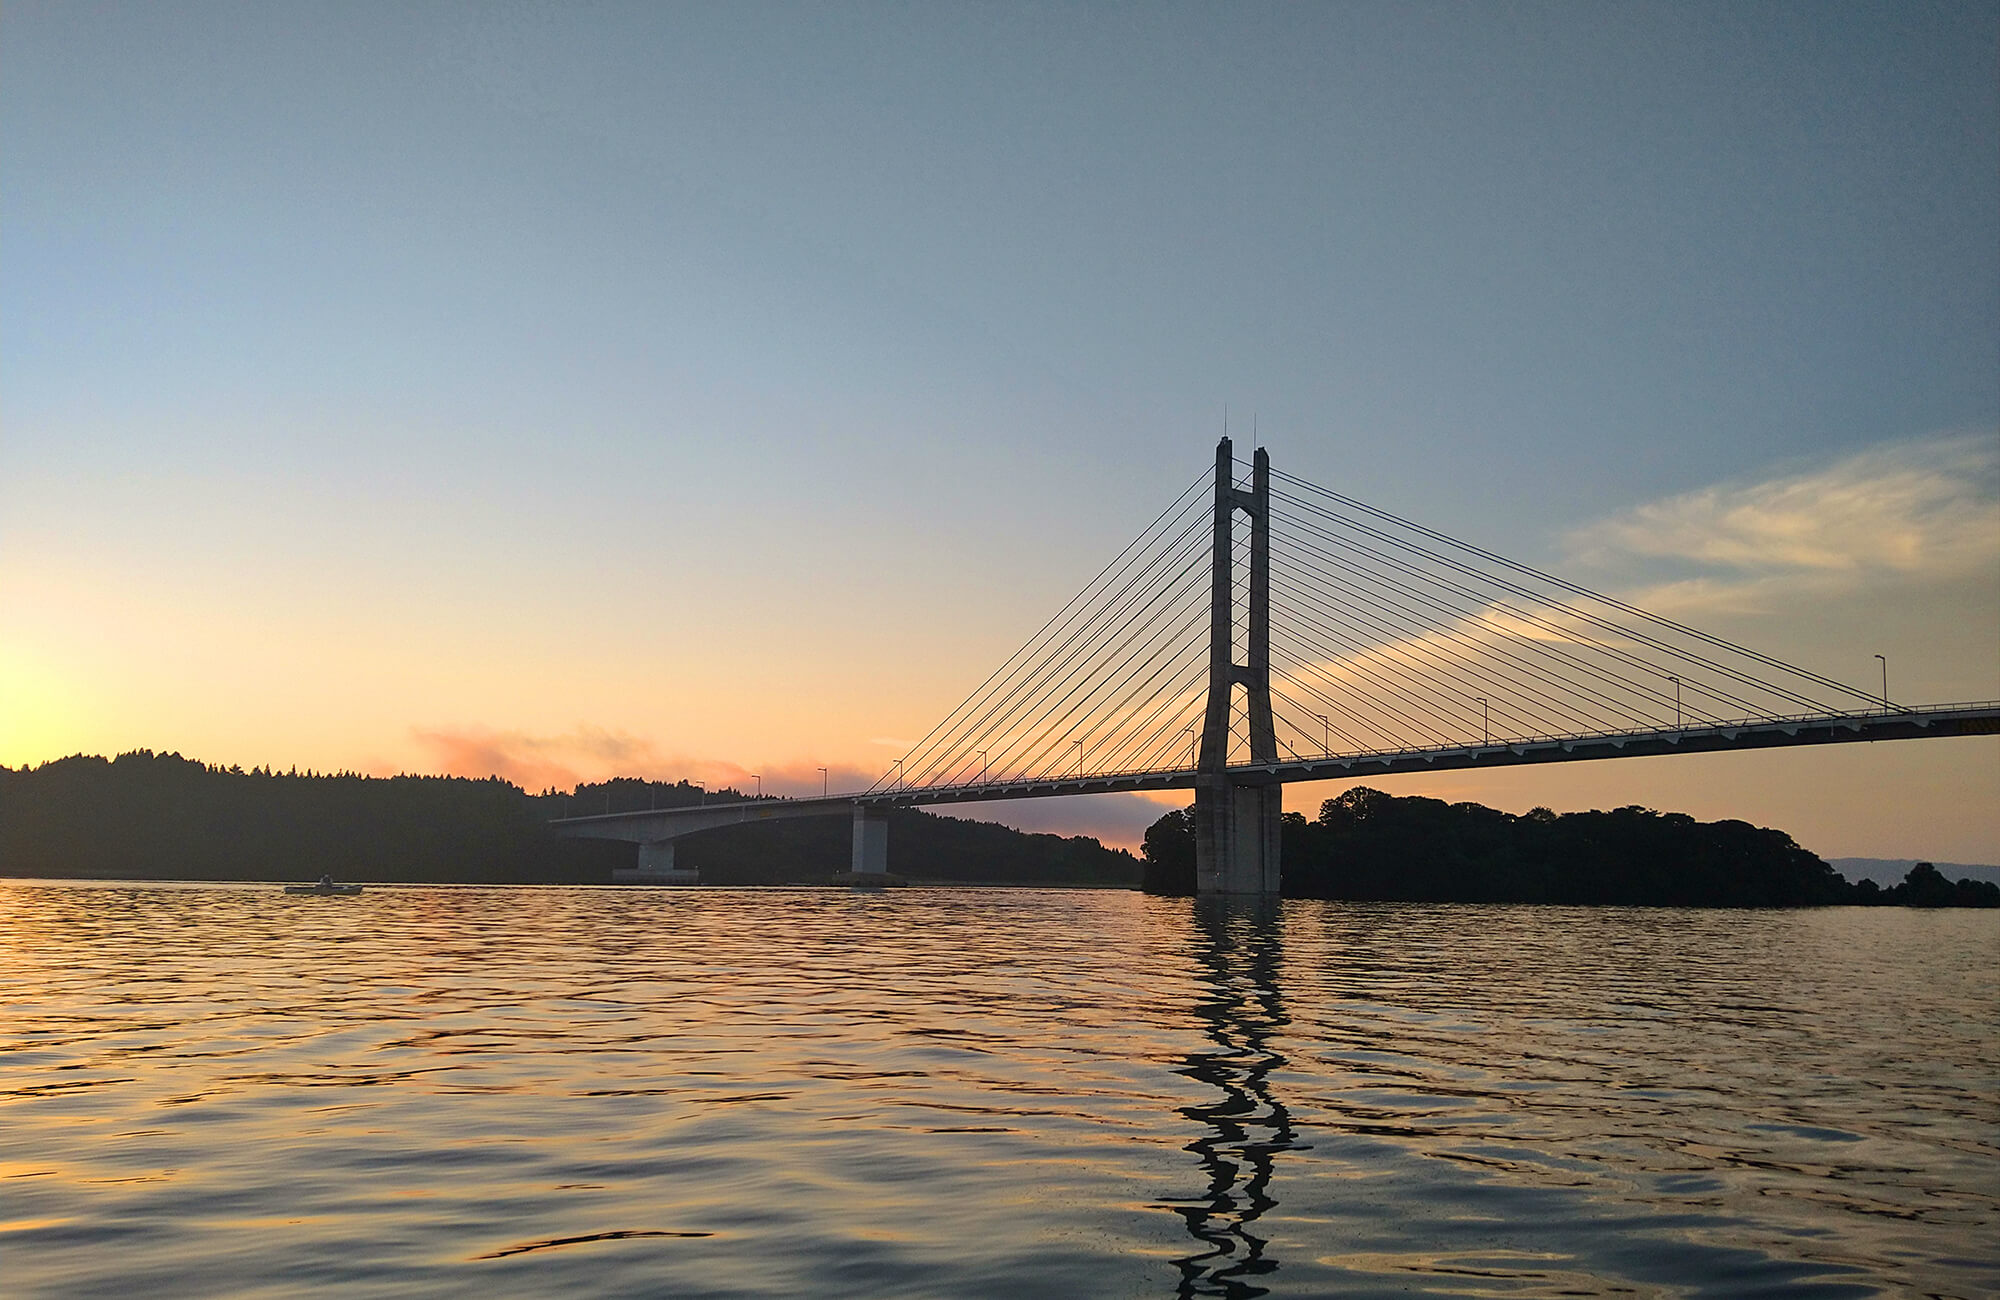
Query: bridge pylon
1237, 821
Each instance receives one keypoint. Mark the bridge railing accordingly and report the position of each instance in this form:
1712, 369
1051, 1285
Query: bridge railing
1691, 727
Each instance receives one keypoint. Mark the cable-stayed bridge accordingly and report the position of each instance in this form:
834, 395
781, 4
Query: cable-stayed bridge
1326, 640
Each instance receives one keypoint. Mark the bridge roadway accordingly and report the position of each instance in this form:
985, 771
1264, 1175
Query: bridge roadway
655, 830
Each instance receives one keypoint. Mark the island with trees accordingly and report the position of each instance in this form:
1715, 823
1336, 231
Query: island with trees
1367, 845
155, 816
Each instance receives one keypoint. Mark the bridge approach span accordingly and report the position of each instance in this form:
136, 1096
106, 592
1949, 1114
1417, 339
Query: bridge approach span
656, 829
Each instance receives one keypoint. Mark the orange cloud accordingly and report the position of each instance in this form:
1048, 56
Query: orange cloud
596, 754
532, 762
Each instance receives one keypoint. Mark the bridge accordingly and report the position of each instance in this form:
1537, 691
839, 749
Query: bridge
1355, 644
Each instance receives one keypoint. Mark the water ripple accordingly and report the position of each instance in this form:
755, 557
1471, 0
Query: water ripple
204, 1091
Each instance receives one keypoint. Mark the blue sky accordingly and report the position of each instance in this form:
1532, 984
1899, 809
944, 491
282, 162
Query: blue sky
742, 382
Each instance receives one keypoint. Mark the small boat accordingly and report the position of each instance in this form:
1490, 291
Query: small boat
325, 889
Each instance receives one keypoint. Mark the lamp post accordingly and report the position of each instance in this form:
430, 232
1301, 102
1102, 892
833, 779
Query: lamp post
760, 784
896, 782
1078, 769
1194, 747
1885, 683
1325, 736
822, 783
1485, 721
982, 767
1677, 702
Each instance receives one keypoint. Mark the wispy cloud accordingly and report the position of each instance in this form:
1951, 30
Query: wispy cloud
1925, 508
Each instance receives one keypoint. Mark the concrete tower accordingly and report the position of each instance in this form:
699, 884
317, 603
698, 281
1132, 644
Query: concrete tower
1236, 818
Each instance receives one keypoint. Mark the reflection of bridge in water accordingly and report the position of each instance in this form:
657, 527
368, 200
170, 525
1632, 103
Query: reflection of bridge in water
1358, 644
1248, 1125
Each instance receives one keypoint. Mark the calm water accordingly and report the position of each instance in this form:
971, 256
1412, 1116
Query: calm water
213, 1089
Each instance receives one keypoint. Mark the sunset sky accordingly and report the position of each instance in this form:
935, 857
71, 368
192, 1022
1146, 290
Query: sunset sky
564, 391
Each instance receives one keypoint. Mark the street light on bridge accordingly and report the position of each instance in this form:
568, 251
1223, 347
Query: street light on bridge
1677, 702
822, 783
1885, 683
1485, 722
896, 782
1194, 747
982, 767
760, 784
1325, 735
1078, 769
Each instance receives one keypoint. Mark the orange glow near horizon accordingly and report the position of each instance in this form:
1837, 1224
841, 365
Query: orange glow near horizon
102, 654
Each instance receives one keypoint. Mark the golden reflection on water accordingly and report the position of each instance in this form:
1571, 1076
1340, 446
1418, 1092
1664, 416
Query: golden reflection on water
211, 1089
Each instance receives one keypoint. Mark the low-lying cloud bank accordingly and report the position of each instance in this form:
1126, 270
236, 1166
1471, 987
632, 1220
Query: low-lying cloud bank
596, 754
1118, 820
534, 762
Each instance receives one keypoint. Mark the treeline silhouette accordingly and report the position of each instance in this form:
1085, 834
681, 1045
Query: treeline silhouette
1926, 886
161, 816
1370, 845
922, 846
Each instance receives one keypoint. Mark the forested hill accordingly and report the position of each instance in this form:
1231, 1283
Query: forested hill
1370, 845
161, 816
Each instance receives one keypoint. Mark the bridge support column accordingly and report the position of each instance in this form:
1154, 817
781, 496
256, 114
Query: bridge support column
871, 840
656, 867
1237, 824
657, 858
1236, 838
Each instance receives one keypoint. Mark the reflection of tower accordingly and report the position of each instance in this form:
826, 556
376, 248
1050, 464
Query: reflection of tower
1239, 950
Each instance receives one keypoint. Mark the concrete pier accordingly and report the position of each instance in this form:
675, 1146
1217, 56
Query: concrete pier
656, 867
871, 840
1237, 838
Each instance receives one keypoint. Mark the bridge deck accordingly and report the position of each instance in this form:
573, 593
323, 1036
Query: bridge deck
1976, 719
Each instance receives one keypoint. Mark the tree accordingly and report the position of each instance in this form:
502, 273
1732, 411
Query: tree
1167, 854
